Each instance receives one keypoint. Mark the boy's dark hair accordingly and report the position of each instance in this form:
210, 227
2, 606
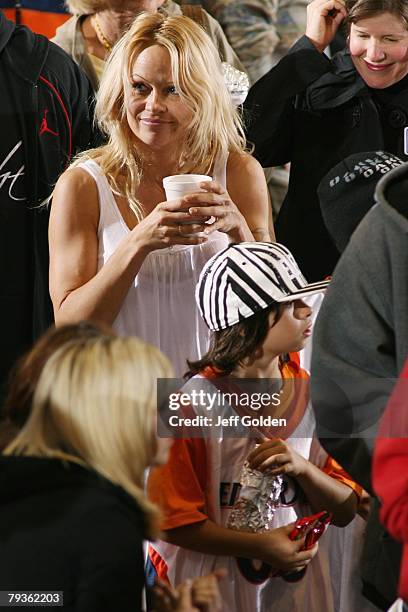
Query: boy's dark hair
230, 346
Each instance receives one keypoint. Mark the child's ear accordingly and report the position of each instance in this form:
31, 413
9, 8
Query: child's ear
274, 316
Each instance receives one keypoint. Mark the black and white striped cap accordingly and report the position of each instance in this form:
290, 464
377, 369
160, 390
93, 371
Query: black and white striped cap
246, 278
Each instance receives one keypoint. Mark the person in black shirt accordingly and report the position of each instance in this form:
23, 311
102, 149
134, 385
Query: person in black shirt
45, 118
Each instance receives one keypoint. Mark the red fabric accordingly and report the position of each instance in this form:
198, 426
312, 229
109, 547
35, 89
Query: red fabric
159, 564
294, 358
64, 110
390, 477
39, 21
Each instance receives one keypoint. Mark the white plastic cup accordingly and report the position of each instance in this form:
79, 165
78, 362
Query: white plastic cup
178, 185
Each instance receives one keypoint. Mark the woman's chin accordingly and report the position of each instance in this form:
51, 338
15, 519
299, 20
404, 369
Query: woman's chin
379, 83
380, 79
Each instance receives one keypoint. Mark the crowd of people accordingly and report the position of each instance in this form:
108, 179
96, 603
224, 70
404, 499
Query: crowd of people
122, 304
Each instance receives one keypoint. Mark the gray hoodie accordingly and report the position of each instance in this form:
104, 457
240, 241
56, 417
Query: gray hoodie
360, 345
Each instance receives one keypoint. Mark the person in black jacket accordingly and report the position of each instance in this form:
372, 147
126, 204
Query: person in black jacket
73, 513
45, 118
71, 494
313, 112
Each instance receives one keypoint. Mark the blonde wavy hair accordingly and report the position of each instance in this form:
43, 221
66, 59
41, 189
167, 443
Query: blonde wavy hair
95, 404
215, 126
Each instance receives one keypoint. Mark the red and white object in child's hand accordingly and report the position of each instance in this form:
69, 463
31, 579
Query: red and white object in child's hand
311, 528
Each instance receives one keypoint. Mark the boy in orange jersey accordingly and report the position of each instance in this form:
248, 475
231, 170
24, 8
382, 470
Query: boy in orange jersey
252, 296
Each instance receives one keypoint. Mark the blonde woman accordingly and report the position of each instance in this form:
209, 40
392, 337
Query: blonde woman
72, 502
96, 25
119, 252
82, 404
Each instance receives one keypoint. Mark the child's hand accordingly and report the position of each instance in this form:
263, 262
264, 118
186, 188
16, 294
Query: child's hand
205, 592
184, 598
277, 549
195, 595
167, 599
363, 508
277, 457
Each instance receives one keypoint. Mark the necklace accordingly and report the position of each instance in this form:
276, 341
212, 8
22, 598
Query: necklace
102, 38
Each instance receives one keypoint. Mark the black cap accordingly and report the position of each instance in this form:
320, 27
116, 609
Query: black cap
346, 192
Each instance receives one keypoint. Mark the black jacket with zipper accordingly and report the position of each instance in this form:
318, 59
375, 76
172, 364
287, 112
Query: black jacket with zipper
48, 101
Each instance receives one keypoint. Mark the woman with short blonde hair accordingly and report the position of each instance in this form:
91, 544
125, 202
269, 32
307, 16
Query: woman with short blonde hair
95, 404
72, 479
122, 254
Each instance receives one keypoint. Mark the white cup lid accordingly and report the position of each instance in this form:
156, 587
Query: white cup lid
185, 178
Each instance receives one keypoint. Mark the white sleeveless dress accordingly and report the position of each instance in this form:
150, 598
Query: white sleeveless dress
160, 305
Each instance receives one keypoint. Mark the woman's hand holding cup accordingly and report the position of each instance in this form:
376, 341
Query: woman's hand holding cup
164, 227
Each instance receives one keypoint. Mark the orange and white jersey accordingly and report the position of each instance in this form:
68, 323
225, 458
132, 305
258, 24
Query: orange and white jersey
201, 481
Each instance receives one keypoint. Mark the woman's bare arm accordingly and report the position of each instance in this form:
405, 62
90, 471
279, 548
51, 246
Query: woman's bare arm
247, 187
78, 290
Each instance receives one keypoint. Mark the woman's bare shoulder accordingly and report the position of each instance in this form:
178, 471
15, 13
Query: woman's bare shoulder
76, 193
242, 166
76, 182
242, 161
76, 179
